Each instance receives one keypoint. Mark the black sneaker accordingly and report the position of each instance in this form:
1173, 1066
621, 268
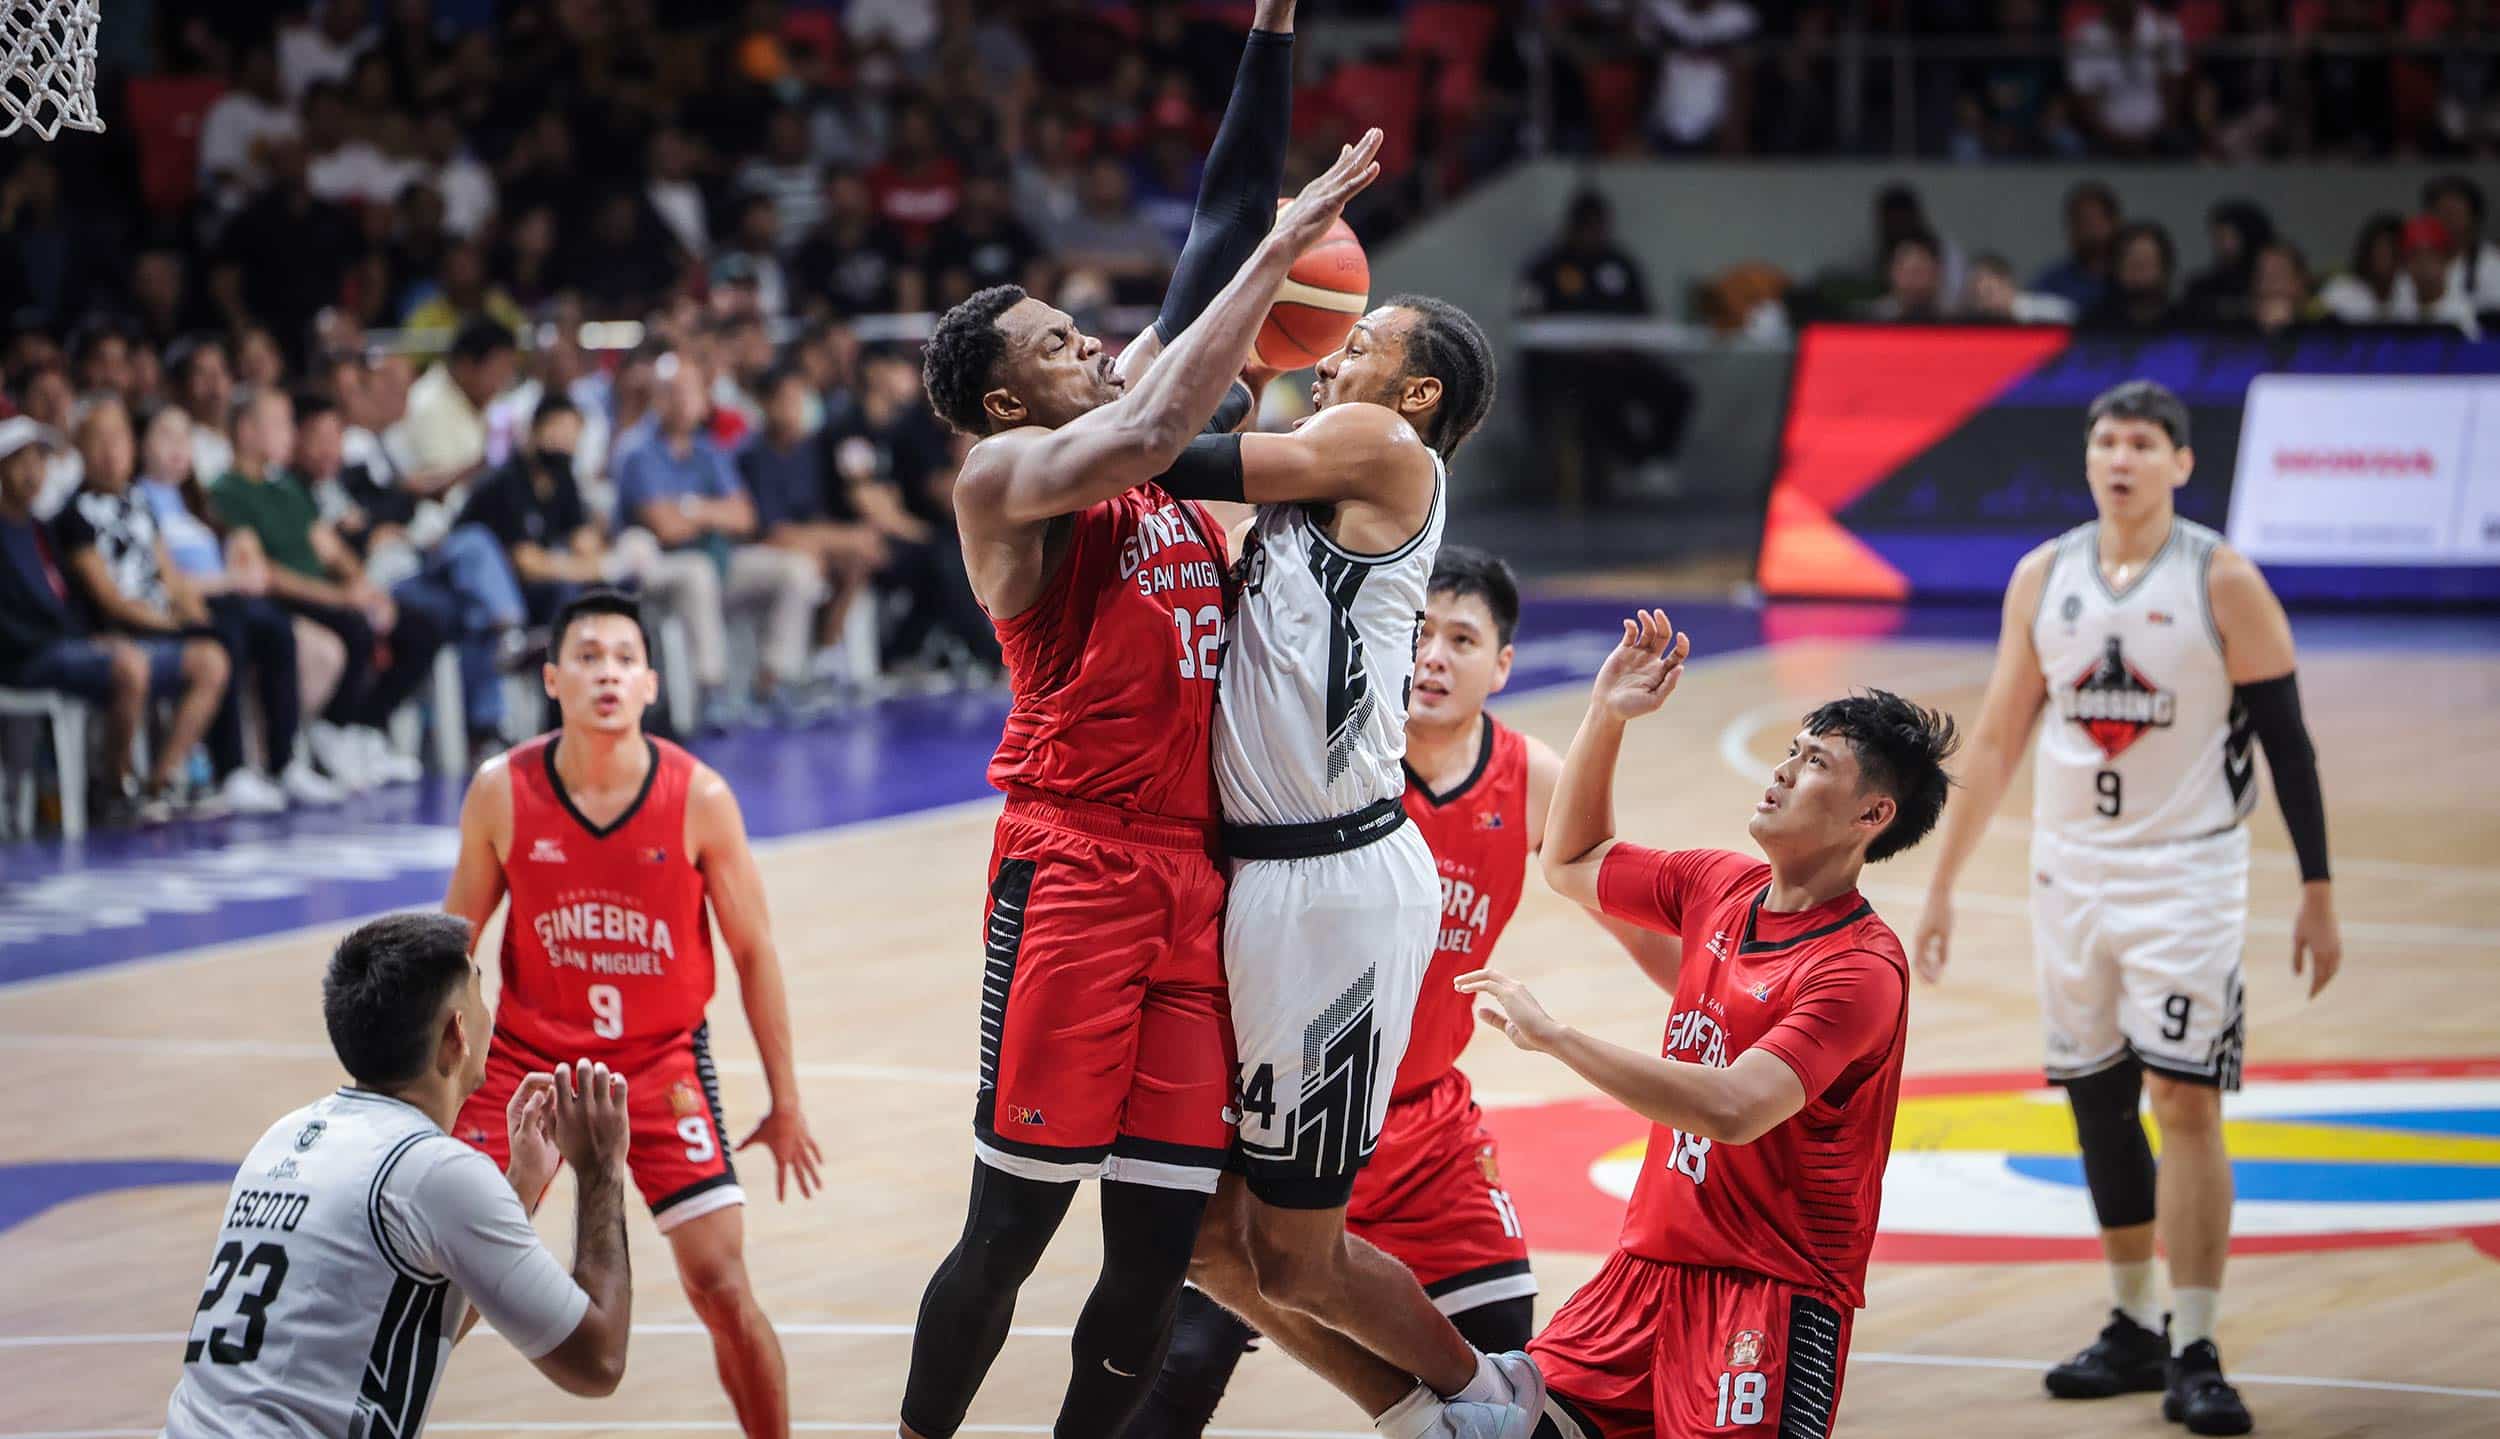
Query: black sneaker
2199, 1397
2127, 1359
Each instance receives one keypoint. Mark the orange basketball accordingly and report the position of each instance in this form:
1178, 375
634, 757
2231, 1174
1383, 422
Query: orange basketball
1324, 293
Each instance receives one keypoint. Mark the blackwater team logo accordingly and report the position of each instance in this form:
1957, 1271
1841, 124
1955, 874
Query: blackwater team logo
1984, 1168
2115, 703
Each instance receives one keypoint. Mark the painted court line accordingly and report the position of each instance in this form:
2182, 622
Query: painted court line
277, 1049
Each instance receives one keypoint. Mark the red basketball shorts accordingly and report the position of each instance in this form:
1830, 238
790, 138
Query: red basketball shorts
1432, 1197
1106, 1042
679, 1154
1647, 1348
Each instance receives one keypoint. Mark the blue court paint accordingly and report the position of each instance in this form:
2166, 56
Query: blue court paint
2483, 1123
129, 895
2314, 1181
27, 1190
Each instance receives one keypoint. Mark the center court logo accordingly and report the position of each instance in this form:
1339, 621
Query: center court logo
1984, 1167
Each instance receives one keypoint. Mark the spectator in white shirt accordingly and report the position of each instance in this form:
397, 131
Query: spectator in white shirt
2128, 66
342, 167
1994, 294
787, 174
2430, 252
467, 186
440, 444
238, 125
1701, 89
2475, 272
910, 26
324, 45
674, 194
2373, 290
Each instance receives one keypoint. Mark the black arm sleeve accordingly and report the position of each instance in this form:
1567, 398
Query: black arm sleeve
2273, 709
1208, 469
1235, 409
1237, 191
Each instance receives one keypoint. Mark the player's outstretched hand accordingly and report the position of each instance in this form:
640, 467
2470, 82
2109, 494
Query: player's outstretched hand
1637, 678
784, 1132
2316, 935
1933, 944
1324, 199
529, 1123
1517, 1013
590, 1120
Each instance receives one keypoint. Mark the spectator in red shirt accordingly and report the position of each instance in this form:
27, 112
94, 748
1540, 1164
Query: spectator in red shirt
1745, 1246
919, 185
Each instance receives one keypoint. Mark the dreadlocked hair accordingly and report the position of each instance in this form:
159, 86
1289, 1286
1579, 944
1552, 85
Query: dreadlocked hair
1447, 344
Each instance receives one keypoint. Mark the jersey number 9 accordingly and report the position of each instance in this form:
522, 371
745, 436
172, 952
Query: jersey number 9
607, 1011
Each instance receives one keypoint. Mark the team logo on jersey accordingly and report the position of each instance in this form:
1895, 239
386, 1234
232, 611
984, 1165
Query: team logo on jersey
656, 854
1488, 1165
1489, 819
1745, 1349
2157, 617
546, 851
309, 1135
1718, 945
2115, 703
1025, 1114
683, 1100
2071, 610
1984, 1167
1761, 990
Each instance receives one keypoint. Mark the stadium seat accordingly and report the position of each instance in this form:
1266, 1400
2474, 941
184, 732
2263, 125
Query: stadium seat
1617, 89
67, 715
1456, 33
1389, 94
166, 112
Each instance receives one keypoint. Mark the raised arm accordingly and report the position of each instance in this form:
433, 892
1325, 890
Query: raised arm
1025, 476
2007, 714
717, 838
1635, 680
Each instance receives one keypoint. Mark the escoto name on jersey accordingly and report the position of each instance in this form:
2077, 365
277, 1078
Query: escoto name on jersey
1984, 1168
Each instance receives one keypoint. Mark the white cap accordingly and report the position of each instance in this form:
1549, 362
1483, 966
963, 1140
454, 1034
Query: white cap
19, 431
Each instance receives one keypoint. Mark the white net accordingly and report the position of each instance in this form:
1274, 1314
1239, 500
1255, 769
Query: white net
47, 66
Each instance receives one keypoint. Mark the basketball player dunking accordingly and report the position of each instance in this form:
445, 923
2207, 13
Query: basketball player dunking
1727, 1308
1105, 1049
2163, 650
1432, 1196
612, 846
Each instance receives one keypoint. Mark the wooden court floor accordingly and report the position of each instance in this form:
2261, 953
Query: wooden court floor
192, 1056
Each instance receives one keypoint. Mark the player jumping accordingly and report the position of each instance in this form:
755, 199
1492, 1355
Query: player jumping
613, 845
2163, 650
1432, 1197
1104, 1039
1727, 1309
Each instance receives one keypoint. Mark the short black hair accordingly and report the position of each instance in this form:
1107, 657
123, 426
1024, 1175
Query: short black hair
1446, 343
1917, 239
479, 339
311, 405
386, 984
1901, 749
599, 600
778, 374
2155, 231
2461, 186
552, 404
2096, 192
1990, 260
2385, 224
2141, 400
1465, 570
960, 363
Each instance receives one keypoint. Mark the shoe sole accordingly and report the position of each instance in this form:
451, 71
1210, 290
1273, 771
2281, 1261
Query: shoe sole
2173, 1411
2092, 1389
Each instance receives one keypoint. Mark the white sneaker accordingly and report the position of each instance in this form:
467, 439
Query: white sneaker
248, 791
306, 785
385, 764
341, 756
1486, 1421
1527, 1382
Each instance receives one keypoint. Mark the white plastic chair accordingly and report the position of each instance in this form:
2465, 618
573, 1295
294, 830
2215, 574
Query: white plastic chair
68, 717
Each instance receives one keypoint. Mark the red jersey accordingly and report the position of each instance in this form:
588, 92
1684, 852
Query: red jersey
1826, 991
1114, 666
1479, 838
607, 947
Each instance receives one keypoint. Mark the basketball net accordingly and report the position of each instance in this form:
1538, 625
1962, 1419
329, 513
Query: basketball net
47, 59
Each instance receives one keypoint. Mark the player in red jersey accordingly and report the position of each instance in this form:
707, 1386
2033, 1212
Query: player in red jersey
1432, 1195
1105, 1039
611, 844
1726, 1309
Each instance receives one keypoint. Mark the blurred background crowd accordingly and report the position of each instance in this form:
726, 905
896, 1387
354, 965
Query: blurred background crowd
429, 312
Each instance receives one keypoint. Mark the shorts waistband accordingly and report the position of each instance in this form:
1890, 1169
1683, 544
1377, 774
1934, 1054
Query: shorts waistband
1369, 825
1108, 822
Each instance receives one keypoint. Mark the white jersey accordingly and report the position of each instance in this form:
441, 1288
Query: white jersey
355, 1237
2144, 742
1310, 724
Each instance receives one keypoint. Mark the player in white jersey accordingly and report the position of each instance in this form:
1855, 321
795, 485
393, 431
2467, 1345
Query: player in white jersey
1334, 904
360, 1239
2160, 652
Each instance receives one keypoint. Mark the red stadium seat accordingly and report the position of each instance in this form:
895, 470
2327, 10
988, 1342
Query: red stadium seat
2200, 20
2428, 19
1457, 33
1617, 90
167, 111
1386, 93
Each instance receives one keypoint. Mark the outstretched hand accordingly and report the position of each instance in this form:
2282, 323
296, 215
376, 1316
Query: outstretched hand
1519, 1015
1637, 678
1324, 199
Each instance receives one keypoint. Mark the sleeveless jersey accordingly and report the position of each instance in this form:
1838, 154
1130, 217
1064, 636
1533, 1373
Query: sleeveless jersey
1479, 838
1313, 720
2144, 742
608, 947
330, 1306
1114, 667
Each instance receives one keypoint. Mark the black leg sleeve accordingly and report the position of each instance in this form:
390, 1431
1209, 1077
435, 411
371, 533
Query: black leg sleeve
1208, 1341
2117, 1157
965, 1315
1237, 191
1121, 1336
1498, 1327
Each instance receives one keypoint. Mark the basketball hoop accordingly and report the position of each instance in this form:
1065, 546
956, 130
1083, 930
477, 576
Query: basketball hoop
47, 66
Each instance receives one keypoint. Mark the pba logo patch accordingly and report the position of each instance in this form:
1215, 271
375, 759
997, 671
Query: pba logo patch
1025, 1114
683, 1100
1984, 1167
1489, 819
310, 1134
1745, 1350
655, 855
